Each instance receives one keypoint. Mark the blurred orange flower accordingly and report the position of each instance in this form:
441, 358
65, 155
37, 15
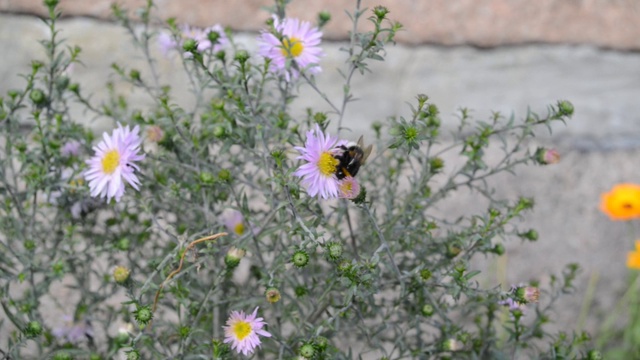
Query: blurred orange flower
633, 258
622, 202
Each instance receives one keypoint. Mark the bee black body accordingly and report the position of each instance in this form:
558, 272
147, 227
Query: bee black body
351, 158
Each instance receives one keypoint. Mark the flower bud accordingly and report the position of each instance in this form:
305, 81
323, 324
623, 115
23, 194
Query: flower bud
206, 178
241, 56
233, 257
219, 132
190, 45
63, 355
425, 274
33, 329
453, 250
121, 274
300, 258
565, 108
527, 294
380, 12
134, 75
143, 314
213, 36
530, 235
427, 310
436, 164
498, 249
321, 343
547, 156
155, 133
38, 97
133, 355
323, 18
594, 355
307, 351
272, 294
334, 250
51, 3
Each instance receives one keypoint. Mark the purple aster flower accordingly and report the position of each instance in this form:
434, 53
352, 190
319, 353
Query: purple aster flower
349, 188
234, 221
242, 331
296, 40
114, 161
70, 148
513, 305
319, 173
73, 332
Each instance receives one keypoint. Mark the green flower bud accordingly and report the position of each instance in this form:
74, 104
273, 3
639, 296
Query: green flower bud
233, 257
133, 355
241, 56
380, 12
321, 343
219, 132
51, 3
206, 178
213, 36
307, 351
453, 250
547, 156
436, 164
300, 291
33, 329
425, 274
427, 310
225, 175
565, 108
123, 244
323, 18
134, 75
74, 87
300, 258
362, 196
38, 97
498, 249
452, 345
190, 45
143, 314
530, 235
334, 250
594, 355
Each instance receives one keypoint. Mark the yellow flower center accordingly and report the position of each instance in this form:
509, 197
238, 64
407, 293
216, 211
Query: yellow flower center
241, 330
292, 46
239, 228
327, 164
110, 162
346, 187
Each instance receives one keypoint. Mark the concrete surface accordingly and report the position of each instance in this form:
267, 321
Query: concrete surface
600, 146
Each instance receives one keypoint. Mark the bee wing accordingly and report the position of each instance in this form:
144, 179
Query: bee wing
361, 142
366, 153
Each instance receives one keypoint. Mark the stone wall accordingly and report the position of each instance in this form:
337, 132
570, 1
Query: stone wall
483, 23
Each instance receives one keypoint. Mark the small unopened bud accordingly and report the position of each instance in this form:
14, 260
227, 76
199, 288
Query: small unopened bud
133, 355
453, 250
436, 164
427, 310
190, 45
425, 274
38, 97
565, 108
530, 235
334, 250
233, 257
121, 274
219, 132
321, 343
300, 258
594, 355
307, 351
272, 294
380, 12
213, 36
498, 249
323, 18
547, 156
143, 314
241, 56
51, 3
155, 133
134, 75
33, 329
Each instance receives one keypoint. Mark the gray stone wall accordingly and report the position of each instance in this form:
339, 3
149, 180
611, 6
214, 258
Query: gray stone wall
599, 146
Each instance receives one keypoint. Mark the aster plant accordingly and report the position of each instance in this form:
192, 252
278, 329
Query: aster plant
161, 233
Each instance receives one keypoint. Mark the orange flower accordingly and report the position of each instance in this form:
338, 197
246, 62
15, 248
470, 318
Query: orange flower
633, 258
622, 202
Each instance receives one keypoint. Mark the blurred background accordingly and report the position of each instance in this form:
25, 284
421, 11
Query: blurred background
486, 55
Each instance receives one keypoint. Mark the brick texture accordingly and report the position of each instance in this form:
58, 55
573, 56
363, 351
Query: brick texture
483, 23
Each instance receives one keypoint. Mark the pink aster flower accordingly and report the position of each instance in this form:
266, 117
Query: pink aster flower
319, 173
70, 148
114, 160
73, 332
234, 221
349, 188
296, 40
242, 331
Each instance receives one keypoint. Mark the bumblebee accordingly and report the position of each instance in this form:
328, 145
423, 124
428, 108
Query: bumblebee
351, 157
